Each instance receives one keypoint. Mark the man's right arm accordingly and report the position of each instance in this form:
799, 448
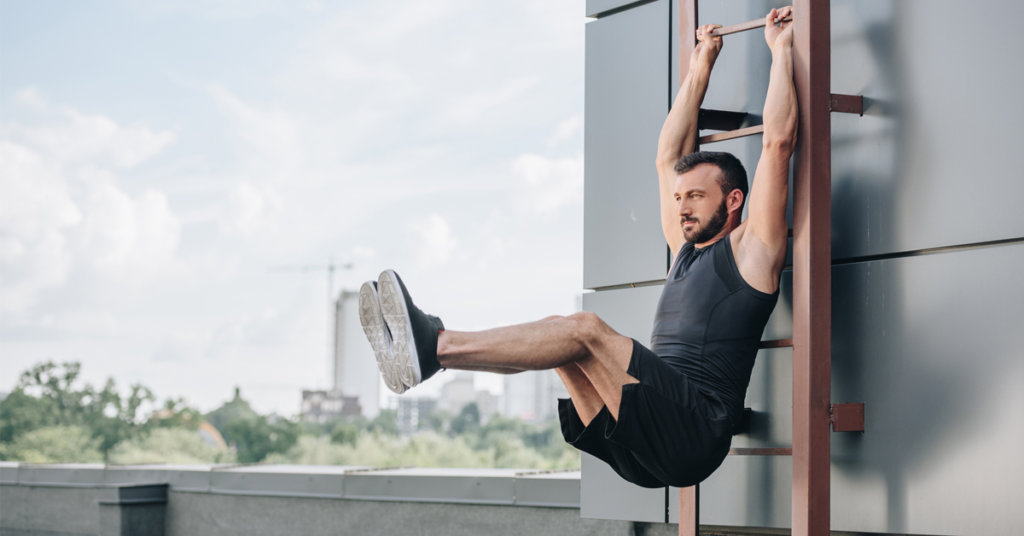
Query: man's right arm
679, 133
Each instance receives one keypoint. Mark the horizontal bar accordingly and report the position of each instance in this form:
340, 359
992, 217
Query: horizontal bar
738, 133
776, 343
744, 26
846, 104
761, 451
847, 417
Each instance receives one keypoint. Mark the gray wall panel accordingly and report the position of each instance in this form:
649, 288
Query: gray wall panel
626, 103
939, 365
940, 390
596, 7
931, 343
746, 491
930, 162
603, 494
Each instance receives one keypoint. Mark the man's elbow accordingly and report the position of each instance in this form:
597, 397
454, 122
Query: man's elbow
782, 143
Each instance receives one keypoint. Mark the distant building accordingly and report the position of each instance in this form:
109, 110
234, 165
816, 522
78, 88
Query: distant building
532, 395
355, 367
355, 387
459, 391
321, 405
412, 414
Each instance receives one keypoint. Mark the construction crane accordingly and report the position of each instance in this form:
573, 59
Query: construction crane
330, 268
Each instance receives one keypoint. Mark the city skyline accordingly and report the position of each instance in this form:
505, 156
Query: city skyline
161, 159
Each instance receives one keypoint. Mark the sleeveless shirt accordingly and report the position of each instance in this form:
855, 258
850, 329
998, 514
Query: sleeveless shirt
709, 322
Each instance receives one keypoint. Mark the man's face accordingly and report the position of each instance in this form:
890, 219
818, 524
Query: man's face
702, 208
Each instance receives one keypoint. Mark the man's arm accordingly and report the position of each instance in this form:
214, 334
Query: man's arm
679, 133
760, 242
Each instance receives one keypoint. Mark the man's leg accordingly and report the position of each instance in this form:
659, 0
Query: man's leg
590, 357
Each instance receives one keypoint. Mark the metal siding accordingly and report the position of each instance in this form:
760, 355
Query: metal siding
932, 343
596, 7
603, 494
940, 387
932, 161
626, 102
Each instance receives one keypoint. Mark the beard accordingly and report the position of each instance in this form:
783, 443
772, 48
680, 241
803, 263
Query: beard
700, 234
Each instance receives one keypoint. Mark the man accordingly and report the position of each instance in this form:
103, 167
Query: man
661, 417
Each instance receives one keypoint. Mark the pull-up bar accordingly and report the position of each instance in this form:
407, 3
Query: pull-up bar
744, 26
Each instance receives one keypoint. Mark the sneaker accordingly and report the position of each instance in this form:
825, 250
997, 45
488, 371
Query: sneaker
413, 332
377, 333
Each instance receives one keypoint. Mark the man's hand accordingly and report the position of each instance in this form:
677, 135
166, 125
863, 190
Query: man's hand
708, 47
778, 31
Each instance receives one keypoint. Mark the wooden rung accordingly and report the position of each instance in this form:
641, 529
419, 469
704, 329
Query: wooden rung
847, 417
744, 26
776, 343
846, 104
738, 133
761, 451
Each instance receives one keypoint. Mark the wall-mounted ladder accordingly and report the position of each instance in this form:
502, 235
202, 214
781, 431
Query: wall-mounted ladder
813, 412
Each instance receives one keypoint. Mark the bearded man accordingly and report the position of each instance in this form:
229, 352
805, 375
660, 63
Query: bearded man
664, 415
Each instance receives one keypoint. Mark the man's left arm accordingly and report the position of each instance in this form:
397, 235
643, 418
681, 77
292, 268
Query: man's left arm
760, 242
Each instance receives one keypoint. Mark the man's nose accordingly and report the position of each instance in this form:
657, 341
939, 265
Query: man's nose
684, 208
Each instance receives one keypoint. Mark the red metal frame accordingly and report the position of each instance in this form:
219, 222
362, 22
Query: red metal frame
812, 270
689, 498
813, 412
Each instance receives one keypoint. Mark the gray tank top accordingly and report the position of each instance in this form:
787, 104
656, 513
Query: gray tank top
709, 322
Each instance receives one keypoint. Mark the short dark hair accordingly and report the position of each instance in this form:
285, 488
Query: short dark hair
734, 176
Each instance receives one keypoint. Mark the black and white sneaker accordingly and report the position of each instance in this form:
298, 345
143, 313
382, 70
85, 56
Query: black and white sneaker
413, 332
377, 333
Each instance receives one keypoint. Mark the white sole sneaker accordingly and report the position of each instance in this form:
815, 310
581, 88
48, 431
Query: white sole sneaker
396, 315
377, 333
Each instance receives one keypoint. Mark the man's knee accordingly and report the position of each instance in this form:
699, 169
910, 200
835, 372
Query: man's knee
587, 327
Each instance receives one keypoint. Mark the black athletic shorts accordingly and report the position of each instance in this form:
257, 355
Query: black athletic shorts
669, 432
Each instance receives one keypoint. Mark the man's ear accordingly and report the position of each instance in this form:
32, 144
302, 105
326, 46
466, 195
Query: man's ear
734, 201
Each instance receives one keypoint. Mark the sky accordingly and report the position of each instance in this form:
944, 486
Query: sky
176, 176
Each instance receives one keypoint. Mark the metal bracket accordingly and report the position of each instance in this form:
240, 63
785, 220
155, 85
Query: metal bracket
847, 417
847, 104
720, 119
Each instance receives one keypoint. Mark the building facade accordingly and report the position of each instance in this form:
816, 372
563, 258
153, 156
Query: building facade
926, 237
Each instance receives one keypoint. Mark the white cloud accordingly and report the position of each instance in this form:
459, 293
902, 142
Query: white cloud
251, 211
568, 130
124, 237
433, 243
552, 183
268, 138
72, 137
63, 214
474, 107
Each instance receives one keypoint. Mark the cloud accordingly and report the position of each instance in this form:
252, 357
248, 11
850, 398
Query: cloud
63, 214
568, 130
552, 183
251, 211
72, 137
434, 243
268, 138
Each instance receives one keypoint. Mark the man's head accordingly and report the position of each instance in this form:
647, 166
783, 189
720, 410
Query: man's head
710, 189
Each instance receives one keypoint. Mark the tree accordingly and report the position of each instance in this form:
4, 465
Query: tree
385, 423
59, 401
236, 409
21, 413
467, 421
54, 444
168, 445
257, 437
